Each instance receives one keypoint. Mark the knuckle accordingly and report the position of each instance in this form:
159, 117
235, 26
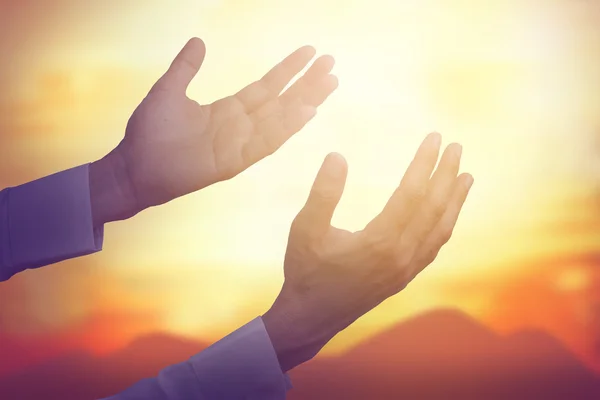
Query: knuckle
437, 207
403, 262
302, 234
383, 268
415, 192
299, 225
187, 62
445, 235
325, 196
379, 245
303, 252
298, 231
401, 279
420, 235
432, 256
427, 258
381, 281
404, 258
382, 275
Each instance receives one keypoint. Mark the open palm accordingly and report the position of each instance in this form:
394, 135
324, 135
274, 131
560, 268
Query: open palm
174, 146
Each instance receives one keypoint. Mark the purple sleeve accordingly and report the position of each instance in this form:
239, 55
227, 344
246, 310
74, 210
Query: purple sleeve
242, 365
47, 221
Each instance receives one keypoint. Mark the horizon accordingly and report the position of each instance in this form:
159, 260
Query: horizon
504, 359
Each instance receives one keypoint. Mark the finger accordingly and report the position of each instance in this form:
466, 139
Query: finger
313, 96
413, 186
277, 126
184, 67
435, 202
324, 196
444, 229
270, 85
317, 94
313, 77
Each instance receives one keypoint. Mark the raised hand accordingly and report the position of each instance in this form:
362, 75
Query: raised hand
332, 276
174, 146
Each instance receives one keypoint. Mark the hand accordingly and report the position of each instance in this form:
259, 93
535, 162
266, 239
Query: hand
332, 276
174, 146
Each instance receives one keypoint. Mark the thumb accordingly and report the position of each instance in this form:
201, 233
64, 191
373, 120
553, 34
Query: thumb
184, 67
325, 194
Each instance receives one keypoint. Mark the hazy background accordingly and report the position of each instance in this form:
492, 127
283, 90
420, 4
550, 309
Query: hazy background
517, 82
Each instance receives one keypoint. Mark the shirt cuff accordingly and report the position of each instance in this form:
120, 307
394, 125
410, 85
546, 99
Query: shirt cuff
241, 365
50, 220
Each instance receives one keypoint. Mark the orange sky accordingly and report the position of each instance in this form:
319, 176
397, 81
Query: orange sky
515, 82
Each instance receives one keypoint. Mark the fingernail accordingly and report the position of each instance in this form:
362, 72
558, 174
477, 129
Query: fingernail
469, 182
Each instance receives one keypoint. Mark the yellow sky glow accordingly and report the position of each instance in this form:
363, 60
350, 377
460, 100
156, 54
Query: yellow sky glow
501, 80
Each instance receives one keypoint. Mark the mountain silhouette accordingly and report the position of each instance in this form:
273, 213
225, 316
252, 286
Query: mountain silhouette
443, 354
446, 354
79, 375
152, 351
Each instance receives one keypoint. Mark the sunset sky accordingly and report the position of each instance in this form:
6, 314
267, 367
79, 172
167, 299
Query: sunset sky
517, 82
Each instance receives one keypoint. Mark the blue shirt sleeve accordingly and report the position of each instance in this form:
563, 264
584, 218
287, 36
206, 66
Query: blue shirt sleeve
243, 365
47, 221
50, 220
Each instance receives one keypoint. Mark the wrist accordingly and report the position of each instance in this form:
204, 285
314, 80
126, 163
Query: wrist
293, 333
111, 193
